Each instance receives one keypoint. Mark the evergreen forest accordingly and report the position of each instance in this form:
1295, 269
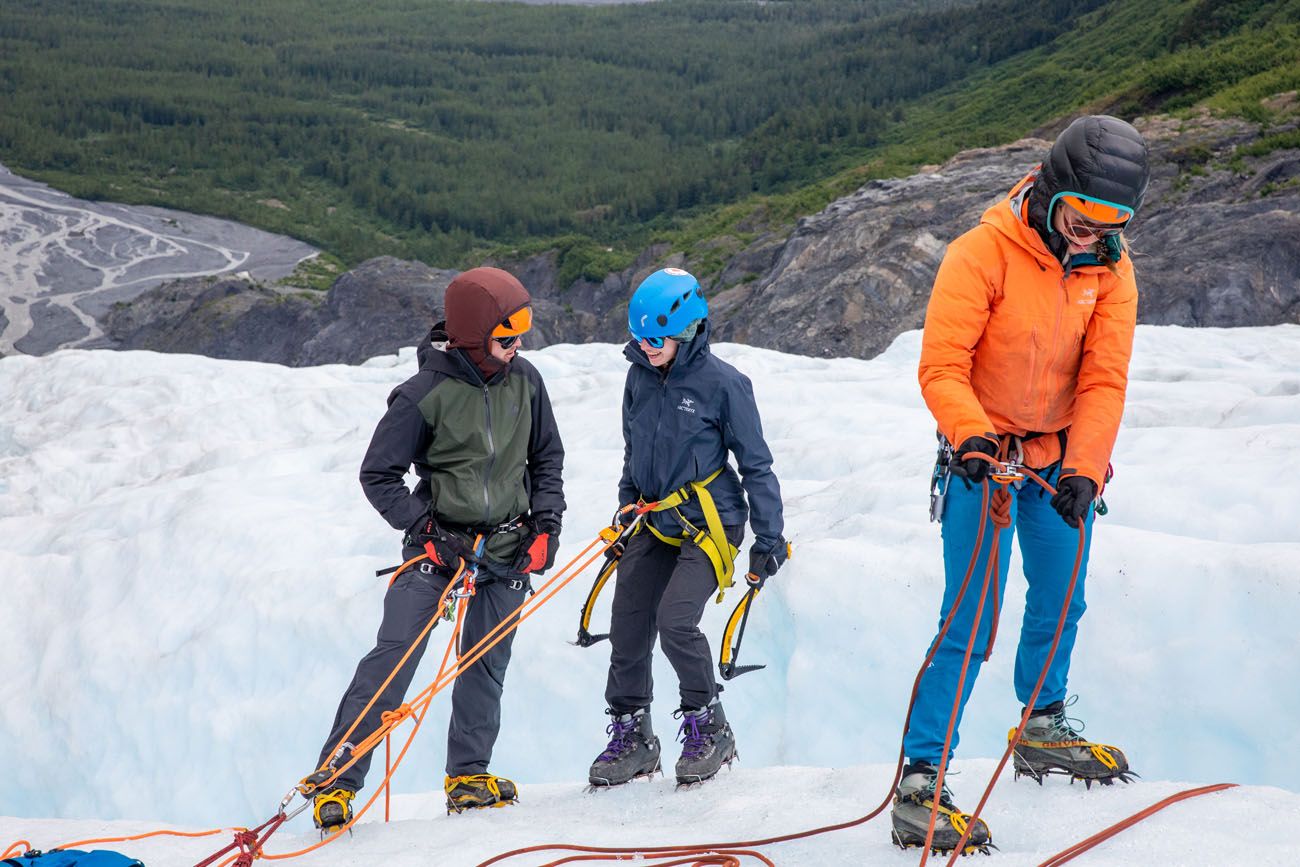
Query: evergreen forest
440, 129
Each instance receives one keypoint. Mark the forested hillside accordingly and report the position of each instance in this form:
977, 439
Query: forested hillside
432, 129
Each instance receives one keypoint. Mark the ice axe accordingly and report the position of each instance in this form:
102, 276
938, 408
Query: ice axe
736, 626
617, 536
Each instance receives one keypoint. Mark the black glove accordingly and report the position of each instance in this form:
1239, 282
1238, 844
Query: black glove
764, 562
973, 470
1073, 498
426, 533
537, 550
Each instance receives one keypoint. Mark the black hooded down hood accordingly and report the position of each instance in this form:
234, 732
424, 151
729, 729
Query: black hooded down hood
1097, 155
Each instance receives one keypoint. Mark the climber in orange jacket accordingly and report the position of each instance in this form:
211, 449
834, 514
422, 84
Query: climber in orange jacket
1025, 355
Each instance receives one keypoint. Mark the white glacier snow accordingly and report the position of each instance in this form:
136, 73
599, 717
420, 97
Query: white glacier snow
187, 565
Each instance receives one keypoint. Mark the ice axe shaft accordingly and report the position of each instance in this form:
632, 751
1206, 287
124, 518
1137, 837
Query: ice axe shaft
617, 537
736, 625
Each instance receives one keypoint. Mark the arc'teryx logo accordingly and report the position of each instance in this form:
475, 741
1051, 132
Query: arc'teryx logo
687, 405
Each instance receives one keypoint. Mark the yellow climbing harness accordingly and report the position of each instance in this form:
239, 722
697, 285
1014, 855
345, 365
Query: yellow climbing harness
712, 540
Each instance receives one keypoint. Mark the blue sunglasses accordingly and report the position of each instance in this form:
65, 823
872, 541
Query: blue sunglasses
652, 342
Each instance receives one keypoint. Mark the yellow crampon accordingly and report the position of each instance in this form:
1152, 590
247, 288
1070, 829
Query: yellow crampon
472, 791
960, 822
333, 808
1103, 753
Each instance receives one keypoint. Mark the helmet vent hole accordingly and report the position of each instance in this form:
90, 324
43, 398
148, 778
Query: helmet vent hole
676, 304
661, 319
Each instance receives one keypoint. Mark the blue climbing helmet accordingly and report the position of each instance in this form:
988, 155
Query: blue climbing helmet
664, 304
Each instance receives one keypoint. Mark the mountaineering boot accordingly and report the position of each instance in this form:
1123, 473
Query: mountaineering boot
333, 808
1050, 745
633, 750
913, 803
473, 791
707, 744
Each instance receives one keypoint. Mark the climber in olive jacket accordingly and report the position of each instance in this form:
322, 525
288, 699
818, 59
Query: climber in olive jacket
476, 424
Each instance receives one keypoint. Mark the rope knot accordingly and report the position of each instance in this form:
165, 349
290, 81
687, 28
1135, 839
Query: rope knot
1000, 508
393, 717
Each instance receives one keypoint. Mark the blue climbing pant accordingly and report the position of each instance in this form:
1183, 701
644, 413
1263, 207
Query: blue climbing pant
1047, 546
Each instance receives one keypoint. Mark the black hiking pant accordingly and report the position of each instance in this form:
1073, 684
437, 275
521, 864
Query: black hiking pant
661, 590
476, 693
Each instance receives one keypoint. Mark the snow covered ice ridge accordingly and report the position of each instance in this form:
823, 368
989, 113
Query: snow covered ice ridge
188, 564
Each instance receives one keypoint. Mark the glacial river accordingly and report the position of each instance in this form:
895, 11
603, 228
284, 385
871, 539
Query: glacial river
65, 261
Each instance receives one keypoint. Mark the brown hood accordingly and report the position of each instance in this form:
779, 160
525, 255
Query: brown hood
476, 302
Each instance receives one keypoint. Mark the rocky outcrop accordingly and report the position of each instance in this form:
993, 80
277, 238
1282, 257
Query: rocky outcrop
375, 309
1218, 243
382, 304
851, 278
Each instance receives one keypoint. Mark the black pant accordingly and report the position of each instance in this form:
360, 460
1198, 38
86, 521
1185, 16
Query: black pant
661, 590
476, 693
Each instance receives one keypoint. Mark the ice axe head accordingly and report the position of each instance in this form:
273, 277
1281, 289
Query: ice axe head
728, 670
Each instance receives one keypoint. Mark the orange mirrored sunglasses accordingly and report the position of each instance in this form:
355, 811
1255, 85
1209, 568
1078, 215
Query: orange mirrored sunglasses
515, 324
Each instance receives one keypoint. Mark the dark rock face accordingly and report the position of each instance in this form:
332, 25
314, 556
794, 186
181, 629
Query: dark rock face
1220, 245
375, 309
381, 305
585, 311
852, 278
1217, 243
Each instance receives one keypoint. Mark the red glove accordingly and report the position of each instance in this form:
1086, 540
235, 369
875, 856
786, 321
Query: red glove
426, 533
537, 550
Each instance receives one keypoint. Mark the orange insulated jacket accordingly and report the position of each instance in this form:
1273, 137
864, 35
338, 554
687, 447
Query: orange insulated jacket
1013, 344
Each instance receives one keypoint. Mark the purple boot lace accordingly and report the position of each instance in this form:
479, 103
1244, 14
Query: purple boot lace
695, 743
621, 742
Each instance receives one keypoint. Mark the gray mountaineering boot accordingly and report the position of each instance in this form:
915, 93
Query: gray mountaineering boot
633, 750
913, 802
707, 744
1050, 745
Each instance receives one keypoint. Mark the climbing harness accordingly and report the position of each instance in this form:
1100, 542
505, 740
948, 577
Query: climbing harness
712, 540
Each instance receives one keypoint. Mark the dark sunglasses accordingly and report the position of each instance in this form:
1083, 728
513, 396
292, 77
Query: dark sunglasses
652, 342
507, 342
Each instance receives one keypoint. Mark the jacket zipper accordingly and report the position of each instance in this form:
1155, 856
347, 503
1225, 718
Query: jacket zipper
1028, 399
659, 421
492, 457
1053, 348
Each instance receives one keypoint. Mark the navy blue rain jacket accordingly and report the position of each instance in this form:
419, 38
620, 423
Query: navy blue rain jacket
679, 427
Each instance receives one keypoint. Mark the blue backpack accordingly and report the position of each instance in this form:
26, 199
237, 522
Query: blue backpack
72, 858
